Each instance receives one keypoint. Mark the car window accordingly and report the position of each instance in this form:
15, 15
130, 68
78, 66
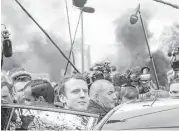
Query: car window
36, 118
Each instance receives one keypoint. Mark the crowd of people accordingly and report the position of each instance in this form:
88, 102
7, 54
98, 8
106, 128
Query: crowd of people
74, 93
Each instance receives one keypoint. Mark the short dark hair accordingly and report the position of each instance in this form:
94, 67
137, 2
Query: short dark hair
43, 88
66, 79
9, 86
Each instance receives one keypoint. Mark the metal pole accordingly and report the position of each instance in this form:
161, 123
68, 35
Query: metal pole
69, 29
2, 58
10, 117
168, 3
47, 35
82, 44
150, 54
89, 56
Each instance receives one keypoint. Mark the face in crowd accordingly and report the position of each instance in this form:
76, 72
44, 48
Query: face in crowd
103, 92
6, 93
174, 90
108, 96
74, 94
38, 92
129, 93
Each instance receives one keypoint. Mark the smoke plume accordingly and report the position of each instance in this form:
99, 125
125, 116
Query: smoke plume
162, 65
132, 40
48, 56
132, 48
41, 56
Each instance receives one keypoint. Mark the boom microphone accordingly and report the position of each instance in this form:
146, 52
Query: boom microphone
134, 17
88, 9
7, 45
7, 48
79, 3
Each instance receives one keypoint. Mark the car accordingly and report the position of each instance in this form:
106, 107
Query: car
158, 114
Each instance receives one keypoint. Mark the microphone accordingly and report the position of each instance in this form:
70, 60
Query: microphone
79, 3
7, 48
7, 45
88, 9
134, 17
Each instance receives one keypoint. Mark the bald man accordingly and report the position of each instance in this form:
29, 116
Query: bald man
103, 97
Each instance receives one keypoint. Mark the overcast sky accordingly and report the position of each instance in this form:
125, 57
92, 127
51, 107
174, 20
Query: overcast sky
99, 27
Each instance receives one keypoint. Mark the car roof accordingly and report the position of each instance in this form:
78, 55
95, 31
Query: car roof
164, 113
140, 104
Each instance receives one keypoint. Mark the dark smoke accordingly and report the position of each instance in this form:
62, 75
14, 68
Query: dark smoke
49, 56
132, 40
132, 46
41, 56
162, 67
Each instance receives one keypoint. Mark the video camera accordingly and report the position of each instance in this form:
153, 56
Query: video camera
138, 77
99, 71
174, 54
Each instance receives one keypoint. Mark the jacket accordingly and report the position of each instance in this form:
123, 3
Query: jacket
97, 109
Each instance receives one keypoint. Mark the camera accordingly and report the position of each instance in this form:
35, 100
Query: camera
174, 54
138, 78
99, 71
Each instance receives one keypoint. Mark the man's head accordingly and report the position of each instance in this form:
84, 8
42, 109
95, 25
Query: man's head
38, 92
6, 93
129, 93
174, 88
74, 93
103, 93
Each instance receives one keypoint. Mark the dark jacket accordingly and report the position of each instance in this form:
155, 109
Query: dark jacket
97, 109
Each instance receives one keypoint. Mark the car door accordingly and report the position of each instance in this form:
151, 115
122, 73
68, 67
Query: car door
21, 117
